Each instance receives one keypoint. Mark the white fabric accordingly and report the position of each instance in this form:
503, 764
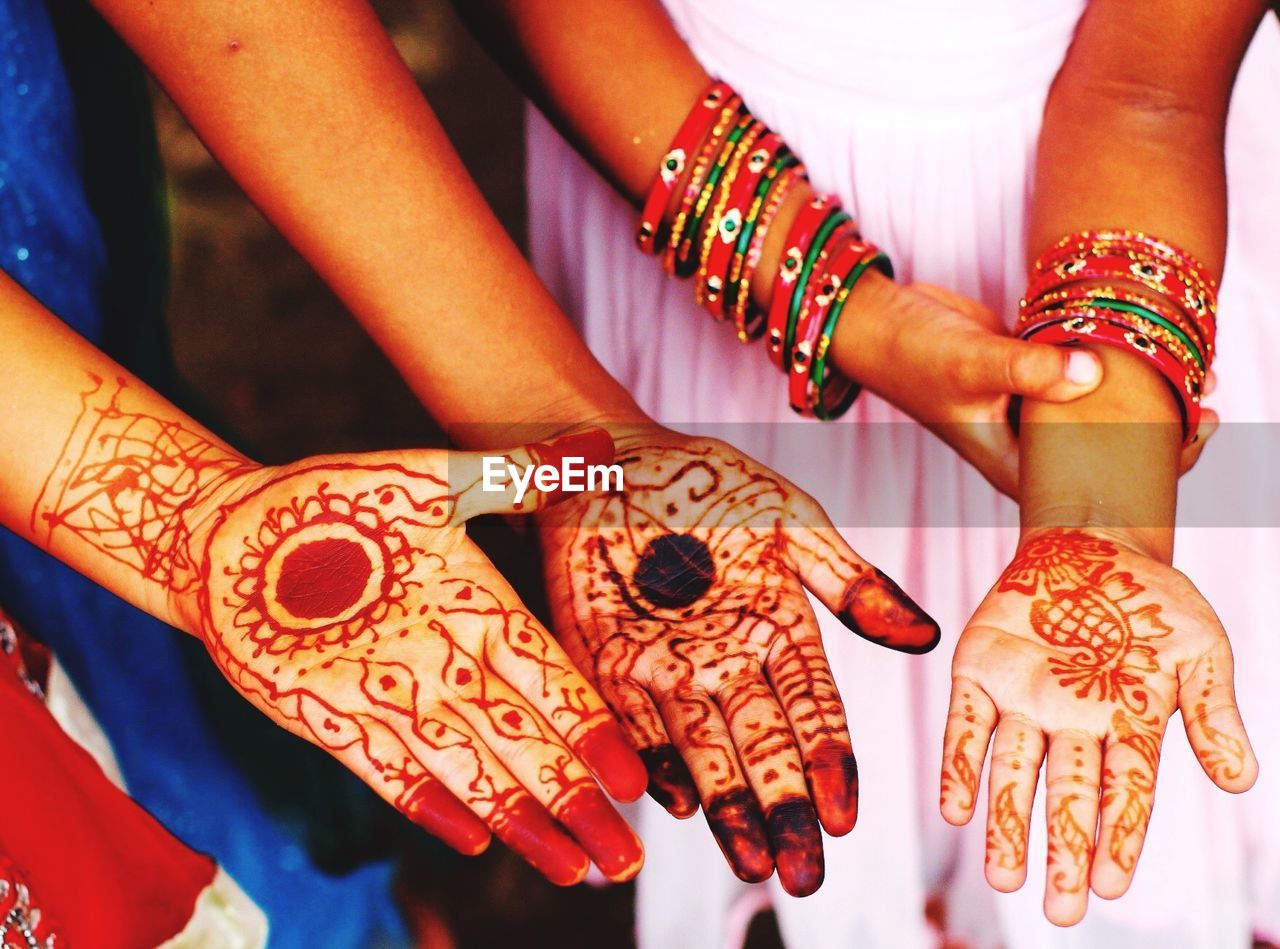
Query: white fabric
224, 918
923, 117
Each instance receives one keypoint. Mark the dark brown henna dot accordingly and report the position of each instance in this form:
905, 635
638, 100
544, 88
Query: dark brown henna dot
387, 497
462, 677
877, 609
523, 636
463, 594
675, 571
770, 776
738, 826
323, 578
387, 683
670, 783
797, 845
513, 719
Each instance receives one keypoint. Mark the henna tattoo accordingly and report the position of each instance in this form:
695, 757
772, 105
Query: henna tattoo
340, 599
122, 482
1103, 643
682, 590
1070, 846
1006, 840
960, 773
1224, 759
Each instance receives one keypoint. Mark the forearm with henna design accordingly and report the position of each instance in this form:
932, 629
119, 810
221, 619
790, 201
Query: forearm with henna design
342, 598
682, 596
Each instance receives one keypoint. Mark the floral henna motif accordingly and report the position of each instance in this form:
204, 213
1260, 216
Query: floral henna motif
959, 774
1070, 847
343, 600
680, 594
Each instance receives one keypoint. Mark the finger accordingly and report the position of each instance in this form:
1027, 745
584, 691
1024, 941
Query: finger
1207, 697
970, 720
1129, 764
373, 751
801, 678
1192, 451
982, 315
1071, 813
732, 811
866, 600
670, 783
1036, 370
536, 756
535, 666
1016, 754
521, 480
465, 766
767, 749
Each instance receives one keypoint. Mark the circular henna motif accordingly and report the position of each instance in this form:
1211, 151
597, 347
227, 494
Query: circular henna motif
675, 571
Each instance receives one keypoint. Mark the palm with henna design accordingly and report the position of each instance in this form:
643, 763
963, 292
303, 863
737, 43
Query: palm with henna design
342, 597
1081, 654
683, 597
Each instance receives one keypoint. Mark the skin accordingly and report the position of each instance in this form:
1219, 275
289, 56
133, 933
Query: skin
312, 111
683, 598
1133, 137
339, 595
939, 357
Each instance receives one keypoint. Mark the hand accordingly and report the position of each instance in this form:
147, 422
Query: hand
682, 596
948, 362
342, 597
1087, 645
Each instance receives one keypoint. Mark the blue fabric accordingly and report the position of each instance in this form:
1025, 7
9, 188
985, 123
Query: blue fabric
181, 750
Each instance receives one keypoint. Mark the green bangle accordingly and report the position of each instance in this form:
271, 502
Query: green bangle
818, 374
760, 199
1153, 317
687, 264
836, 218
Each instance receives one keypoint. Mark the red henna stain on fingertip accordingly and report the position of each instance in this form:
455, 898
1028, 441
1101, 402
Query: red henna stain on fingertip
529, 829
797, 845
877, 609
433, 808
738, 826
833, 778
670, 783
609, 755
600, 829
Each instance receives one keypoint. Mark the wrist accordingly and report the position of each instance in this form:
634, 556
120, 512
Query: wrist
1097, 519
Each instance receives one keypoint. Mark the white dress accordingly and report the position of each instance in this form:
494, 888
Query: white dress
923, 116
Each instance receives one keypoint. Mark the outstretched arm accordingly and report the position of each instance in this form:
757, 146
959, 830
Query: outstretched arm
339, 595
311, 109
941, 358
1090, 641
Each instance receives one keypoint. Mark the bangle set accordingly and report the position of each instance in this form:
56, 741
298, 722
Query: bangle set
1133, 291
718, 190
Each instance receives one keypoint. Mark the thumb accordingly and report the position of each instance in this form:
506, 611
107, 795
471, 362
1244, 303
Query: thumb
1036, 370
1212, 720
532, 477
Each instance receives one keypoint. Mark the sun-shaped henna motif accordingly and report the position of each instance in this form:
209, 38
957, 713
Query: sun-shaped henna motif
327, 570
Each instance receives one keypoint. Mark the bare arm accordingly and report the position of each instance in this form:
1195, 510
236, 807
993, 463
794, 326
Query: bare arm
932, 354
1089, 642
311, 109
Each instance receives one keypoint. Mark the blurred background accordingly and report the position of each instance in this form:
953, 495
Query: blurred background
276, 360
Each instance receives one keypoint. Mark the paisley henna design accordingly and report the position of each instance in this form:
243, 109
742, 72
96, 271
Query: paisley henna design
1093, 644
342, 598
683, 596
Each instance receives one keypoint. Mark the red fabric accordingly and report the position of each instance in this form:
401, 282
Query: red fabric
101, 870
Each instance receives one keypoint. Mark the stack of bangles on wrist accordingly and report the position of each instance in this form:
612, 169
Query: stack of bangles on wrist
718, 190
1132, 291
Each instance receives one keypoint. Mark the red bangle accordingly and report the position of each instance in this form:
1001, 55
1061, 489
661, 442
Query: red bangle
710, 291
702, 165
832, 266
747, 317
716, 247
694, 130
1092, 326
799, 237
